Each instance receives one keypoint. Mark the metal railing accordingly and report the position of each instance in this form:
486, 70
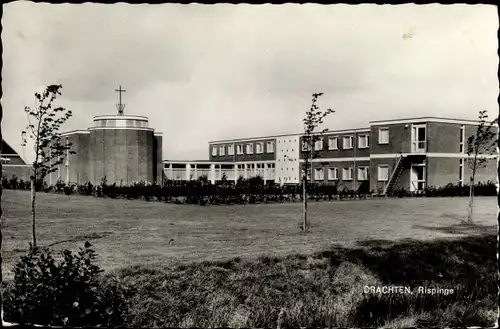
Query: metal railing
394, 170
231, 174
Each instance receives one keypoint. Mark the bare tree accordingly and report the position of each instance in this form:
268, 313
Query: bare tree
313, 119
478, 145
44, 122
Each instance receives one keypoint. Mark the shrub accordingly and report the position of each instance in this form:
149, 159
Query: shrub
14, 183
69, 189
68, 292
86, 189
59, 188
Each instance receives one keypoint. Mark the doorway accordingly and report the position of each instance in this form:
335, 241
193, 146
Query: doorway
417, 178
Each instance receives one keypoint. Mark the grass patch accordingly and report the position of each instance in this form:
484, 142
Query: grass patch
133, 232
323, 289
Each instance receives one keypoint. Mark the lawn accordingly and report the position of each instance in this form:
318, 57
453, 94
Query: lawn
132, 232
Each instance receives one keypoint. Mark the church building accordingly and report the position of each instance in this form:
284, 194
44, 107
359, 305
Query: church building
119, 148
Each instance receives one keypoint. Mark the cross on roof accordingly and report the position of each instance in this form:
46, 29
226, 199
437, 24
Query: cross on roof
120, 106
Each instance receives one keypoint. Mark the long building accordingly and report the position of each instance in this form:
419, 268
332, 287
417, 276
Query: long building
387, 155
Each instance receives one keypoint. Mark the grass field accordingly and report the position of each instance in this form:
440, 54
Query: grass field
249, 265
132, 232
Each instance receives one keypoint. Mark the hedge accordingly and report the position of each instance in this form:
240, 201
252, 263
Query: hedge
244, 191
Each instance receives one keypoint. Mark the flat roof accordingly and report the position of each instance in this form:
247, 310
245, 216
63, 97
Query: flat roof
123, 117
427, 119
344, 131
189, 161
352, 130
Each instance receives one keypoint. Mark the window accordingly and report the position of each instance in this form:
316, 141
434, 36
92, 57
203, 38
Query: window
333, 143
214, 151
347, 142
305, 146
222, 150
333, 174
362, 173
230, 150
249, 148
259, 148
383, 136
462, 137
239, 149
318, 174
347, 173
383, 173
270, 147
318, 145
461, 172
363, 141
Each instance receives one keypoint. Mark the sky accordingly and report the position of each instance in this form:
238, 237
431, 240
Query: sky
211, 72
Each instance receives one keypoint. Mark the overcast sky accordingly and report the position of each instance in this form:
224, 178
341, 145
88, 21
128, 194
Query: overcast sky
204, 72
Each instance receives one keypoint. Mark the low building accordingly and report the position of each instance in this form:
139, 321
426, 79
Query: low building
13, 164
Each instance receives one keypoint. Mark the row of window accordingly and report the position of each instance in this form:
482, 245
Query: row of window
334, 143
248, 148
255, 166
348, 141
333, 173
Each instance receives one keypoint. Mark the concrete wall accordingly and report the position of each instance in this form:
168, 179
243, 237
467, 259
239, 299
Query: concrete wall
443, 137
399, 139
21, 171
142, 161
96, 155
378, 186
471, 130
132, 146
441, 171
484, 174
14, 159
158, 159
123, 156
287, 160
77, 170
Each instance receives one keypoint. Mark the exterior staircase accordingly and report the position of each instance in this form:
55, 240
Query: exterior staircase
396, 173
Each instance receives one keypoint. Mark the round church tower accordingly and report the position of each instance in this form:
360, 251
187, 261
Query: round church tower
123, 149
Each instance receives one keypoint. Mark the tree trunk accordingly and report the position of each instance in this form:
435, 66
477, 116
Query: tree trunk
471, 201
1, 259
498, 217
33, 214
304, 197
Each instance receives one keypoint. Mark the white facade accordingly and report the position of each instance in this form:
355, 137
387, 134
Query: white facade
287, 159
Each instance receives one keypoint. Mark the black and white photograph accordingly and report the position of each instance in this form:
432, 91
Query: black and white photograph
249, 166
